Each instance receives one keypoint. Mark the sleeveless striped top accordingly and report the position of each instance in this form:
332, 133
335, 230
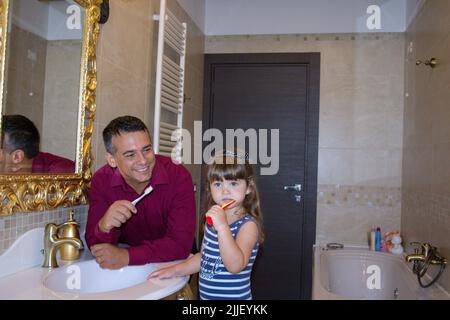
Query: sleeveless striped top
215, 282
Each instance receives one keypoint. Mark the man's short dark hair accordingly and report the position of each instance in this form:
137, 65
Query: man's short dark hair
121, 125
22, 134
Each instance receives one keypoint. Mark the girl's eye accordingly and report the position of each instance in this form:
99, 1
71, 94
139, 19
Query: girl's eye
216, 184
234, 183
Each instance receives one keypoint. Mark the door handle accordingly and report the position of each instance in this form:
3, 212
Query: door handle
296, 187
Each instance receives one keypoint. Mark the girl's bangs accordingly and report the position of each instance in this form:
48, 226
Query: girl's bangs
217, 172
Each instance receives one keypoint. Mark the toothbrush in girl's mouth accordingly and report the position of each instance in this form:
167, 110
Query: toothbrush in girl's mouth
224, 206
146, 192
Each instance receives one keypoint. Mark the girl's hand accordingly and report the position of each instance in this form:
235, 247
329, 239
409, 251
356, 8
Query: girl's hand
217, 214
164, 273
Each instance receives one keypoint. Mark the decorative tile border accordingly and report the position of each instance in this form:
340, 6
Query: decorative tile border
12, 227
344, 195
310, 37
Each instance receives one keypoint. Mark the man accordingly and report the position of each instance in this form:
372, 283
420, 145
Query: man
19, 152
161, 226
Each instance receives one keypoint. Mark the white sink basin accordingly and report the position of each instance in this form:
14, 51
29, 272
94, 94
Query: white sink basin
88, 277
22, 277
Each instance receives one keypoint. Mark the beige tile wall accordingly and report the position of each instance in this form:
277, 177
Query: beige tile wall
426, 164
62, 90
360, 136
25, 77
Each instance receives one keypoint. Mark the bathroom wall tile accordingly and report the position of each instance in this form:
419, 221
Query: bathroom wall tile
195, 46
417, 160
441, 116
394, 167
338, 100
426, 192
149, 112
62, 78
351, 223
99, 147
432, 25
95, 145
140, 9
367, 167
335, 131
121, 94
336, 166
370, 130
441, 169
394, 131
125, 38
194, 86
26, 79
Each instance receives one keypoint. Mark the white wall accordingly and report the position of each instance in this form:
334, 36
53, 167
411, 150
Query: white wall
45, 19
234, 17
57, 29
31, 16
412, 9
196, 10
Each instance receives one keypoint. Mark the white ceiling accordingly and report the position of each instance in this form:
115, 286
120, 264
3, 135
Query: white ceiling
234, 17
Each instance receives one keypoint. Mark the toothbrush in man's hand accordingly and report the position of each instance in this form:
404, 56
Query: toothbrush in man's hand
146, 192
226, 205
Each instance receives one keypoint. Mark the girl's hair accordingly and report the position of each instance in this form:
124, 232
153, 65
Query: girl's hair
231, 168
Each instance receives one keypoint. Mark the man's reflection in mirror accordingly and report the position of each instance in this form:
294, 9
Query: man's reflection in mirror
19, 152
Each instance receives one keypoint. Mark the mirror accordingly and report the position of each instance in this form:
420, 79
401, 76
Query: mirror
48, 76
42, 72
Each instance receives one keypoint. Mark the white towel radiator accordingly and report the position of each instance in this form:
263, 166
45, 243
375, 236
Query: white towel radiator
169, 83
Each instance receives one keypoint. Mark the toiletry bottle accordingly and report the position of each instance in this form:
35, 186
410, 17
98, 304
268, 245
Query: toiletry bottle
378, 239
372, 239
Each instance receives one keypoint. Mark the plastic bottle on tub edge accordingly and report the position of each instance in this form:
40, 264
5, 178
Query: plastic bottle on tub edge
372, 239
378, 239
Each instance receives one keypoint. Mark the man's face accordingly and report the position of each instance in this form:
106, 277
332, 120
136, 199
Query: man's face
5, 157
134, 157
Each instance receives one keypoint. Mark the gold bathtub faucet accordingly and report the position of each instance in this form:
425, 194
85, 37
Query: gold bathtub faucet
52, 242
421, 262
429, 254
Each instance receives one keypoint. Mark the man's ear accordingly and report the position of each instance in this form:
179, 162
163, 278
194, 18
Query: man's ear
110, 159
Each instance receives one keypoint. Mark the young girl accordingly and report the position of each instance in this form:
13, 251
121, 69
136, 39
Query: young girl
230, 245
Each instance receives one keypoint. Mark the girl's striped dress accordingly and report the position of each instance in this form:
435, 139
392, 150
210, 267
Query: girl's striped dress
215, 282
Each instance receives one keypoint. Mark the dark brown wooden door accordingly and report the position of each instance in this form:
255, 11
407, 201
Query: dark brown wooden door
275, 91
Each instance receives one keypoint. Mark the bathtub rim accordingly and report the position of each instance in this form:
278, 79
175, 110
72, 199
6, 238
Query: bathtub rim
435, 292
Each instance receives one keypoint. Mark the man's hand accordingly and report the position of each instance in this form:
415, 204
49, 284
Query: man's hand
109, 256
118, 213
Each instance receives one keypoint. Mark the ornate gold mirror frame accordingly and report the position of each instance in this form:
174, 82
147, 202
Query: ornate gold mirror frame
38, 192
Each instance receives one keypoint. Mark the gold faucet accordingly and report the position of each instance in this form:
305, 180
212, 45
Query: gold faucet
52, 242
429, 254
69, 229
415, 257
426, 250
422, 261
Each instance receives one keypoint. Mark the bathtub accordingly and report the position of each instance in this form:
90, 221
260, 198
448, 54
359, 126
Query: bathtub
357, 273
